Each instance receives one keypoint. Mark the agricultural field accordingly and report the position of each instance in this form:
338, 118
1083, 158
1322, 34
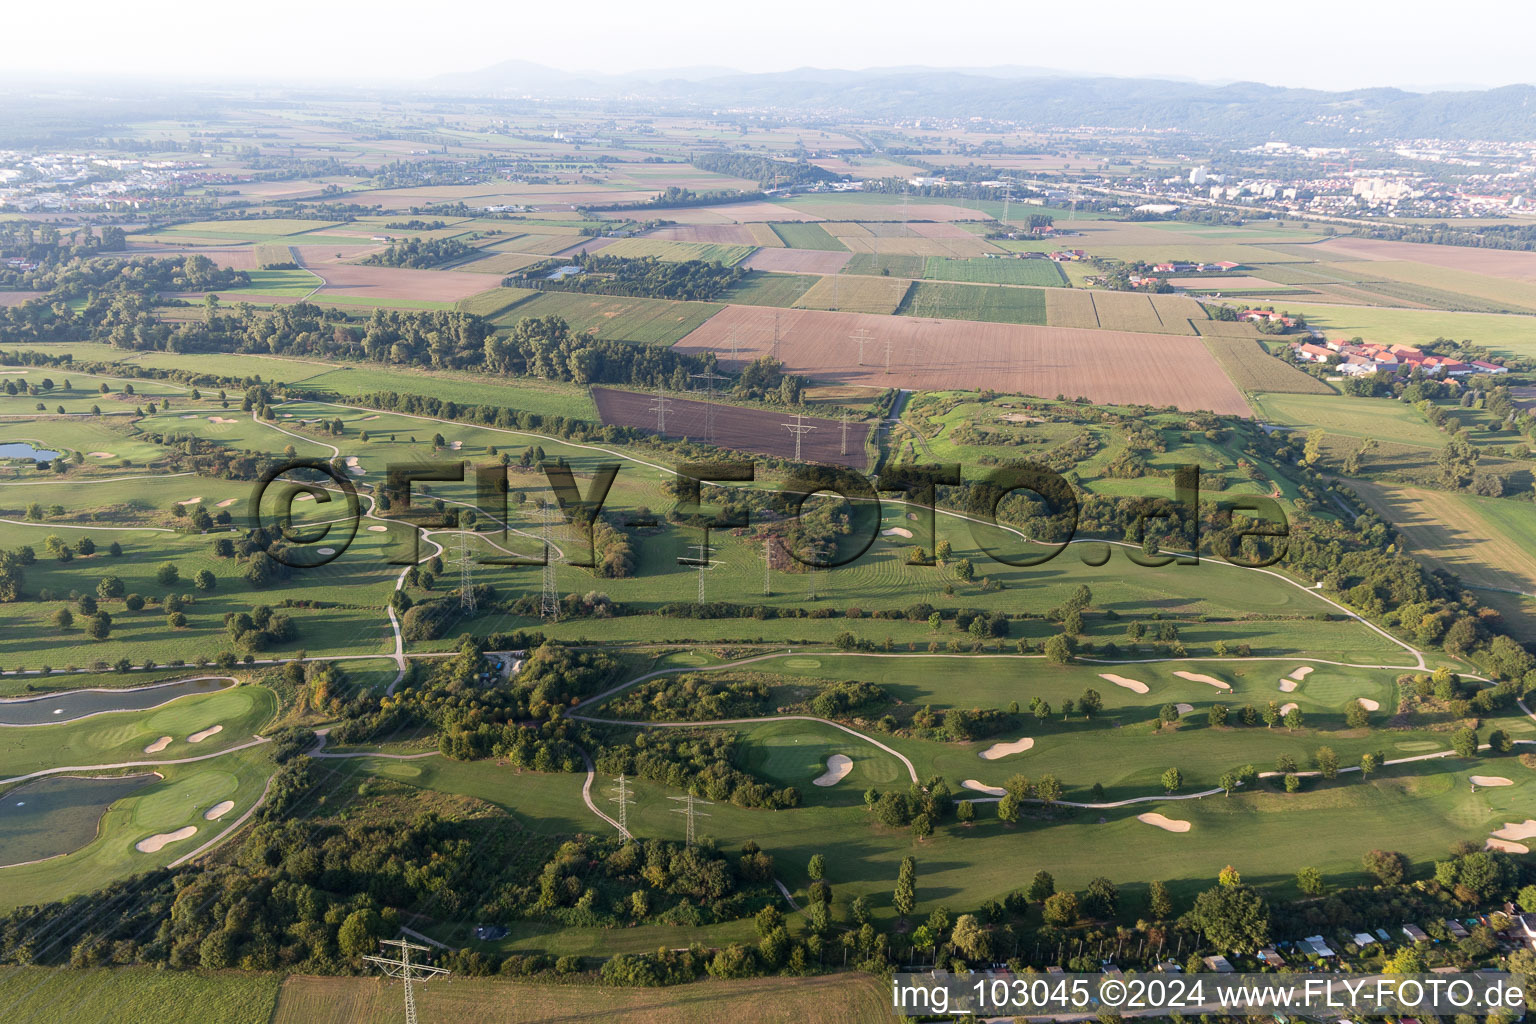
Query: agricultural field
1001, 305
1253, 369
842, 999
1040, 273
712, 252
807, 236
619, 318
1487, 542
1105, 366
765, 288
33, 995
855, 294
489, 736
744, 430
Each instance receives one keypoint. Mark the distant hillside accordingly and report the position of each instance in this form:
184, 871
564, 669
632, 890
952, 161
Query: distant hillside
1240, 111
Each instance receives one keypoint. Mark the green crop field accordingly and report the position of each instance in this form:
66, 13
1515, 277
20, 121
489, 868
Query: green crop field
995, 304
137, 995
797, 235
1254, 369
661, 249
491, 304
619, 318
855, 294
1043, 273
889, 264
1502, 333
547, 398
762, 288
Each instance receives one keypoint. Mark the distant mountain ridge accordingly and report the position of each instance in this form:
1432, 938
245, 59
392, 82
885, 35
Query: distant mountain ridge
1240, 111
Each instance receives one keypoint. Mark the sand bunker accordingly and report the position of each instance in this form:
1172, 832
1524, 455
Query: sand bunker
190, 416
897, 531
221, 419
1287, 685
101, 455
1301, 673
154, 844
159, 745
838, 767
1490, 781
365, 419
455, 445
1134, 685
1196, 677
191, 501
1517, 830
325, 551
1286, 709
1505, 846
978, 787
998, 750
198, 737
218, 810
226, 503
378, 529
1183, 709
1166, 824
1368, 704
353, 467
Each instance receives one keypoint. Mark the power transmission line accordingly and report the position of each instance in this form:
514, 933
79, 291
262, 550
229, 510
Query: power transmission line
799, 430
659, 407
623, 799
406, 971
861, 336
845, 432
709, 380
466, 577
768, 565
690, 803
549, 599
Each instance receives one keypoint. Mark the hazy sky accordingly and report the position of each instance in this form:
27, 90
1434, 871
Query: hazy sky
1322, 43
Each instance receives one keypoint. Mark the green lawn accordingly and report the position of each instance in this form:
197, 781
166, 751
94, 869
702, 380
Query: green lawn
1352, 417
762, 288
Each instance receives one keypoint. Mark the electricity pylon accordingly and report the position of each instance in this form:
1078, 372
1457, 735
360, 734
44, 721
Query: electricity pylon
799, 429
466, 577
549, 600
623, 799
861, 336
768, 565
709, 380
845, 432
690, 802
659, 407
406, 971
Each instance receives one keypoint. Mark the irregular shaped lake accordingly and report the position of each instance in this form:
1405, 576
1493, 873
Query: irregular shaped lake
69, 705
58, 815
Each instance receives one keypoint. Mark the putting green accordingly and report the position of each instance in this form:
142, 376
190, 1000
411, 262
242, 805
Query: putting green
799, 662
180, 800
395, 769
686, 658
795, 753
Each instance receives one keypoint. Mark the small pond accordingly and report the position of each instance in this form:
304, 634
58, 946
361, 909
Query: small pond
58, 815
24, 450
68, 705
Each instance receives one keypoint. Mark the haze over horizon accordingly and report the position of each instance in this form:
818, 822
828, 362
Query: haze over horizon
1316, 44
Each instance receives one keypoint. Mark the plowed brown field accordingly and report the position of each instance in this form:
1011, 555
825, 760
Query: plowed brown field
1120, 367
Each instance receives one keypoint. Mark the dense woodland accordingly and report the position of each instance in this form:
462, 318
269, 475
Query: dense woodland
647, 277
